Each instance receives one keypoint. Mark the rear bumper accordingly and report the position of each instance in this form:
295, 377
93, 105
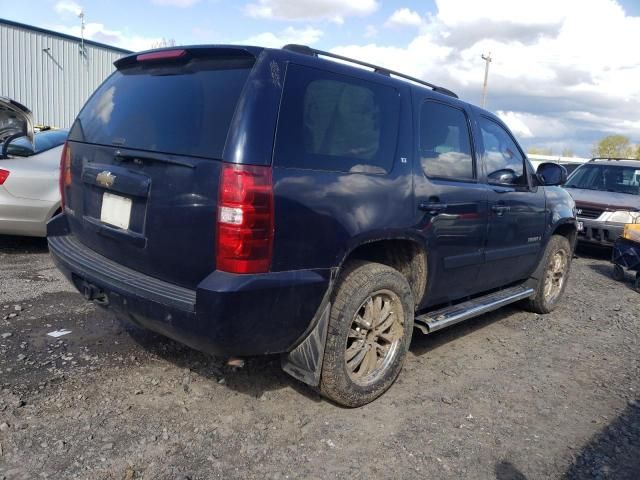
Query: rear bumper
227, 315
599, 233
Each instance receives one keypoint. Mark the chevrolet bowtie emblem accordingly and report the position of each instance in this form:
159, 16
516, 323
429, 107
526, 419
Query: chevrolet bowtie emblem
106, 179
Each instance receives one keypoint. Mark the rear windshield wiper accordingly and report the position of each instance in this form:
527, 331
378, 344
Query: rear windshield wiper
152, 157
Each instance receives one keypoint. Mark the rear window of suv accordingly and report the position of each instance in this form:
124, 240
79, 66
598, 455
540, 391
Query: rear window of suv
183, 109
336, 122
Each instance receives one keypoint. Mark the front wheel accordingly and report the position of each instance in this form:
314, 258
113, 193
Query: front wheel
556, 263
369, 333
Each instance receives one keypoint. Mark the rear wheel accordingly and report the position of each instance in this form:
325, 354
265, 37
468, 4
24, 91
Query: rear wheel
556, 264
369, 333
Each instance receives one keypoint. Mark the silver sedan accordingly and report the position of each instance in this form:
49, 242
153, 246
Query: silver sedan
29, 173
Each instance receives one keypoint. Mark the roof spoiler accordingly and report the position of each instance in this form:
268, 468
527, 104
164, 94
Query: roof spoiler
183, 54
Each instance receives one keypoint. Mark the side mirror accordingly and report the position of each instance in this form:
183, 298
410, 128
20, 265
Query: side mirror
504, 176
551, 174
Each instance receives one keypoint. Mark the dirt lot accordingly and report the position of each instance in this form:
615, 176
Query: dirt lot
510, 395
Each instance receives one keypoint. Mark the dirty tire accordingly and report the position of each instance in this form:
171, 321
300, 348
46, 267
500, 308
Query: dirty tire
618, 273
366, 291
542, 301
636, 283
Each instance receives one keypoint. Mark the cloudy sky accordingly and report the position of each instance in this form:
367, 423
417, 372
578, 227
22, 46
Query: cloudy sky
564, 73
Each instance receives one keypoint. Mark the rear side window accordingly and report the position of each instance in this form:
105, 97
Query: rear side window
336, 122
181, 109
445, 144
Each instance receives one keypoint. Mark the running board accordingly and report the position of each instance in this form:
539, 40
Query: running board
438, 319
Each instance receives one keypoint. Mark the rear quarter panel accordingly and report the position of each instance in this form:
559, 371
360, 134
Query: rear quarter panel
322, 215
35, 178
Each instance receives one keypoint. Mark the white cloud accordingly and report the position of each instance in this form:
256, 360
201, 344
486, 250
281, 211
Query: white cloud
67, 9
176, 3
333, 10
454, 13
100, 33
304, 36
64, 7
528, 125
516, 123
414, 59
404, 18
554, 63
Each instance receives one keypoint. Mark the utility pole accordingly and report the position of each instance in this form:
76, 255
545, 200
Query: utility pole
487, 60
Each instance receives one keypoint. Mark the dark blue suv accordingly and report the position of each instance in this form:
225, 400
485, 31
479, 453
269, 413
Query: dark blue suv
250, 201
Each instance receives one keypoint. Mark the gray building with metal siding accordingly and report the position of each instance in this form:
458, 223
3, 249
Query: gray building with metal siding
48, 71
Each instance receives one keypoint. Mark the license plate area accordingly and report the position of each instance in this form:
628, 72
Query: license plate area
580, 226
116, 210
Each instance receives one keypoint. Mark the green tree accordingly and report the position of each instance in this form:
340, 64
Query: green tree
638, 152
613, 146
540, 151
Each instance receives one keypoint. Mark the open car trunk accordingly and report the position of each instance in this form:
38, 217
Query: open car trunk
16, 120
145, 159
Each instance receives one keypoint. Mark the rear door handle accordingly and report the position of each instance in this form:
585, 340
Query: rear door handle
433, 208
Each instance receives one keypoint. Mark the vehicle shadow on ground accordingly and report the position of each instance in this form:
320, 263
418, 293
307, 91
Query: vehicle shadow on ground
603, 253
508, 471
607, 271
258, 376
13, 245
612, 453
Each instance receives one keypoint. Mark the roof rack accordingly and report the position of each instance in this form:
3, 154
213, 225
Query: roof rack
611, 158
305, 50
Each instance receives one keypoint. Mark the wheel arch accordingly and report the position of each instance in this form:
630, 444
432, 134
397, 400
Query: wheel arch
404, 254
568, 229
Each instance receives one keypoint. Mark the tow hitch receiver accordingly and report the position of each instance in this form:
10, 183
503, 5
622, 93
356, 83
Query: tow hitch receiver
94, 294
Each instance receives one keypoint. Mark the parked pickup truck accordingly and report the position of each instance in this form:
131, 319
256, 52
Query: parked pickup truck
249, 201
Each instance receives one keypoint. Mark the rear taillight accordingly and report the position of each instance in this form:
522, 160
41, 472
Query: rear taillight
65, 171
245, 219
4, 174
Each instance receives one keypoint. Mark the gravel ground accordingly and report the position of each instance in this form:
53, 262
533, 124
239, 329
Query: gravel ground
509, 395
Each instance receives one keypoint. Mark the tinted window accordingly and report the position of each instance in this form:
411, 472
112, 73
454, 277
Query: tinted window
502, 158
335, 122
445, 146
182, 109
608, 178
